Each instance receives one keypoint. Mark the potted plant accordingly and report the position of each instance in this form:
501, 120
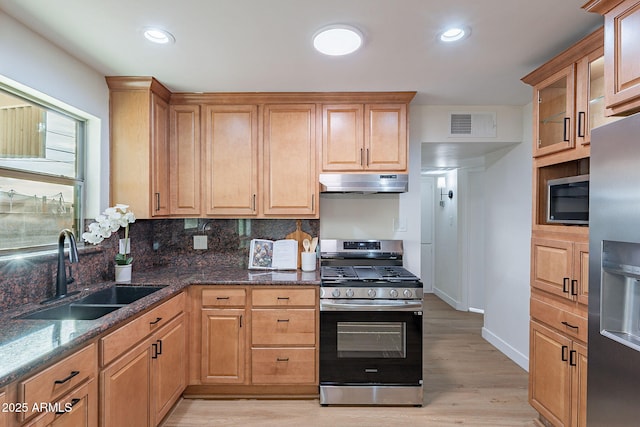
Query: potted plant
111, 220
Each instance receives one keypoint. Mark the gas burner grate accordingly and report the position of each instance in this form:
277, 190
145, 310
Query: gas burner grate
338, 272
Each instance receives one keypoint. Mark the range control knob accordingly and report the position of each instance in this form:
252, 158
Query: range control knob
349, 293
371, 293
407, 293
335, 293
393, 293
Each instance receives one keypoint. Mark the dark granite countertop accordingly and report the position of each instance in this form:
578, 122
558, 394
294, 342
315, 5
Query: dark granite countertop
26, 345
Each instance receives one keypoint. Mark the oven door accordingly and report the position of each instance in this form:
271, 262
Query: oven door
370, 346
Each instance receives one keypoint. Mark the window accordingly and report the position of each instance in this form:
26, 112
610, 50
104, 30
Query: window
41, 172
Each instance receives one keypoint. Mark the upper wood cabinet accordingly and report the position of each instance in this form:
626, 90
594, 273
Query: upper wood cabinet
231, 160
185, 160
290, 180
361, 137
621, 52
568, 99
139, 144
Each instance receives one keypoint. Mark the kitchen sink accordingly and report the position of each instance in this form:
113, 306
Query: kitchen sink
72, 311
119, 295
95, 305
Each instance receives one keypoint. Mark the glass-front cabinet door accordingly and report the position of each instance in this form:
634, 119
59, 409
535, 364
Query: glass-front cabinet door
554, 110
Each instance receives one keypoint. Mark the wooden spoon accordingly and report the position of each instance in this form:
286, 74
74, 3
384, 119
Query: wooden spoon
306, 244
314, 243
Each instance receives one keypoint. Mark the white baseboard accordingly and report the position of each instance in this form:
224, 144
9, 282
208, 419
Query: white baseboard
446, 298
513, 354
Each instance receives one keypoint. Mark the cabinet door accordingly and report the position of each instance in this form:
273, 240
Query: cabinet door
78, 409
550, 375
581, 272
290, 184
343, 137
385, 137
184, 169
578, 360
231, 159
124, 386
552, 266
160, 153
622, 50
223, 346
168, 360
554, 112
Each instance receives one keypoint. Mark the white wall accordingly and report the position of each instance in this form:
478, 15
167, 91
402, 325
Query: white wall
447, 265
37, 66
507, 248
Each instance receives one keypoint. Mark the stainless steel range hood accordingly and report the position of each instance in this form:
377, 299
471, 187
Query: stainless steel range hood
364, 183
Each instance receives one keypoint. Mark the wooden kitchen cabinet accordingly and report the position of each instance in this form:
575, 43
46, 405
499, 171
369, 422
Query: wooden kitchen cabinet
557, 371
290, 180
139, 145
78, 409
223, 336
231, 160
144, 362
184, 160
3, 414
364, 137
561, 267
621, 53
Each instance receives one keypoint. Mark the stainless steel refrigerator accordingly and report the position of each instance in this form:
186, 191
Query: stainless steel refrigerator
613, 379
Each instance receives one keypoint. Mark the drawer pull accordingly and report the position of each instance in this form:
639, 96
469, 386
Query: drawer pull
569, 325
283, 320
283, 298
74, 402
371, 370
221, 298
282, 359
155, 322
71, 375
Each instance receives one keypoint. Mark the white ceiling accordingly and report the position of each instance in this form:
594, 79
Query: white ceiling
265, 45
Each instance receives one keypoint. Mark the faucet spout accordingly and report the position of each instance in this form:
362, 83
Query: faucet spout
61, 278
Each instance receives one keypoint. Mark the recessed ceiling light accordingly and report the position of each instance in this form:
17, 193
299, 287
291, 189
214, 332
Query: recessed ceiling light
336, 40
158, 35
454, 34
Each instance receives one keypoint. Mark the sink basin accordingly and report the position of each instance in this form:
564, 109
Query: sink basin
72, 311
119, 295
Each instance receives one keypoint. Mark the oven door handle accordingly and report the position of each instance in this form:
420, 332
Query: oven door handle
351, 305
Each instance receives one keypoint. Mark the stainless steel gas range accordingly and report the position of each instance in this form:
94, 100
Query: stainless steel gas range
370, 325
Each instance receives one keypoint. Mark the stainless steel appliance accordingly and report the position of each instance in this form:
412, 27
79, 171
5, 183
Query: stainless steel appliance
614, 275
370, 325
568, 200
364, 183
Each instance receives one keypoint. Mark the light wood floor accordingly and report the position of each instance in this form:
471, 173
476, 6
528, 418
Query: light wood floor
466, 382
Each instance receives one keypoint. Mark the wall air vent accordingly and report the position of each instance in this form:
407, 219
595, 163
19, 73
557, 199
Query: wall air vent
479, 125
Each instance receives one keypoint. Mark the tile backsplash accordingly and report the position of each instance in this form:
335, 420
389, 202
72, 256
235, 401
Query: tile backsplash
163, 242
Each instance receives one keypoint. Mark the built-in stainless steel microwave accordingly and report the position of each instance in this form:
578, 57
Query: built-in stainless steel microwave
568, 200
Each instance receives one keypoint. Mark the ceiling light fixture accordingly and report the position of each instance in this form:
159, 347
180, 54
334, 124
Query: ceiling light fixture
158, 35
337, 40
454, 34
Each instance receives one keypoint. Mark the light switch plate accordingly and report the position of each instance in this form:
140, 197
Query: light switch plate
199, 242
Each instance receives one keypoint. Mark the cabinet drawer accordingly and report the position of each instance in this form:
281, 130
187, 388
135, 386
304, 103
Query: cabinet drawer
284, 297
283, 366
284, 327
79, 409
224, 297
57, 380
569, 323
128, 335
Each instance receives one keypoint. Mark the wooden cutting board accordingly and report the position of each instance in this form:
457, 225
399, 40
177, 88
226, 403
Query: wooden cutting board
299, 236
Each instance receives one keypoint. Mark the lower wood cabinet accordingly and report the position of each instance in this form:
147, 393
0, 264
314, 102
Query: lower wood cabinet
150, 372
3, 414
253, 340
557, 376
78, 409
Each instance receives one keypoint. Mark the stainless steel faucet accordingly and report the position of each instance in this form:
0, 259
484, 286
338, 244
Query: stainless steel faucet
61, 278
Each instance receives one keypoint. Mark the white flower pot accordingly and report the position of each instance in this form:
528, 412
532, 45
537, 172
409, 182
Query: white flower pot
123, 273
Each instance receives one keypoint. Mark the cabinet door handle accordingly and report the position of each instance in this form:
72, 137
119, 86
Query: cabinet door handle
564, 353
569, 325
64, 380
155, 322
581, 124
565, 132
157, 201
574, 287
313, 202
73, 402
572, 358
159, 347
361, 158
253, 203
155, 350
241, 320
367, 157
565, 285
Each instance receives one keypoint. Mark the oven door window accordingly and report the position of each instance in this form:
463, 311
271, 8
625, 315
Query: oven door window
372, 340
